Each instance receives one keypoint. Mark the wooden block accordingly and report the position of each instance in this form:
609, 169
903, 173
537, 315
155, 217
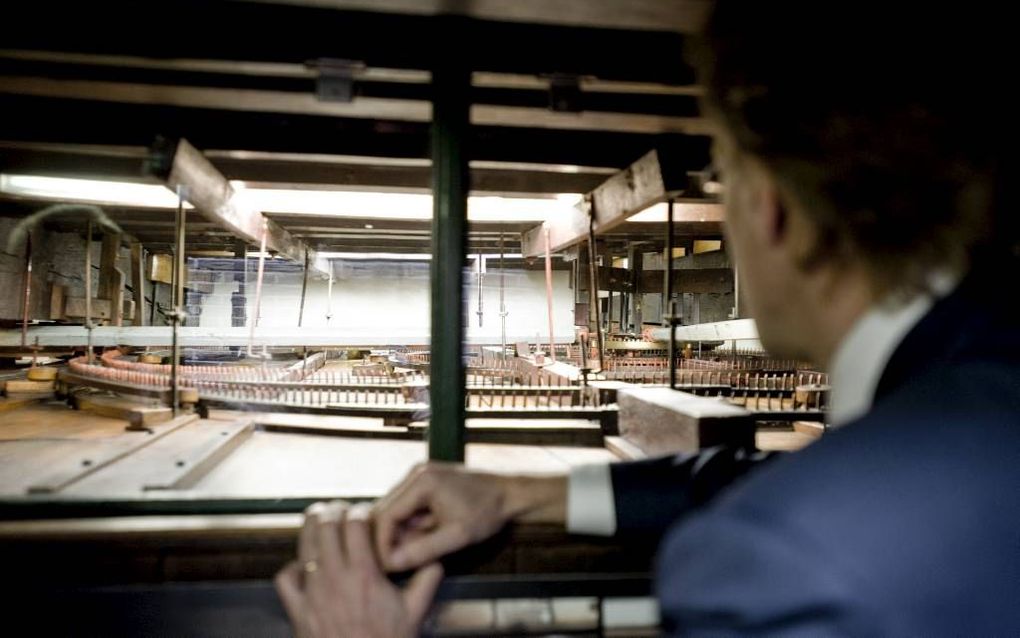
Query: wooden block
75, 307
18, 386
811, 428
13, 403
57, 293
161, 268
41, 374
138, 415
665, 421
91, 456
150, 358
769, 440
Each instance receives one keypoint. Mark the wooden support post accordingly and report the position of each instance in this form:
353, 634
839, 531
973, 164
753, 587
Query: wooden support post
138, 281
111, 280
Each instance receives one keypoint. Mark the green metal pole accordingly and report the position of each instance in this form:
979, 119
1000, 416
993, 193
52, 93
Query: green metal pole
450, 127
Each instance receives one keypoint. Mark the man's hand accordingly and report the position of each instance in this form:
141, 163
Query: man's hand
337, 588
440, 508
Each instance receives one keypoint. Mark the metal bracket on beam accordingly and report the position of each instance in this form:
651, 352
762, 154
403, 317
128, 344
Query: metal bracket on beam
565, 95
335, 82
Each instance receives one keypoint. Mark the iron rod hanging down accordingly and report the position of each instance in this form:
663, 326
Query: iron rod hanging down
88, 289
177, 315
502, 305
258, 291
451, 84
301, 307
329, 295
593, 286
304, 290
669, 306
27, 290
549, 296
481, 278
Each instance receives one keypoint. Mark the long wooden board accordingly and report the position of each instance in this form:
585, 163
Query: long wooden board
90, 457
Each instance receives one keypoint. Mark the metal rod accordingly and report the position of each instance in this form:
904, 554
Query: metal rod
502, 304
669, 306
304, 290
736, 293
481, 279
178, 314
28, 290
329, 294
451, 83
593, 285
88, 289
258, 289
549, 293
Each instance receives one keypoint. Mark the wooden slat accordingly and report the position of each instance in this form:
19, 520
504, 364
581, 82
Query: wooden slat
701, 281
175, 462
13, 403
211, 194
652, 179
75, 307
192, 451
810, 428
24, 386
138, 415
87, 458
624, 449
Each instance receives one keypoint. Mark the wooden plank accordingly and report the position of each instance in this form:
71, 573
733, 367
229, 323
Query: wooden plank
111, 279
650, 180
138, 414
810, 428
284, 465
624, 449
24, 386
57, 293
563, 232
196, 336
628, 192
74, 307
741, 329
161, 267
159, 528
702, 281
175, 462
13, 403
568, 433
213, 197
196, 450
117, 298
90, 457
782, 441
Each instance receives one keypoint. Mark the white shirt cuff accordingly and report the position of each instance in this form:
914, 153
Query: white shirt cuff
590, 505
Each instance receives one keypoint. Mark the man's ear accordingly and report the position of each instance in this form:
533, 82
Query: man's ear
770, 214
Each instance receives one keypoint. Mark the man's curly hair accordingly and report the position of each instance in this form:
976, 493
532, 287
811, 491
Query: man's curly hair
886, 122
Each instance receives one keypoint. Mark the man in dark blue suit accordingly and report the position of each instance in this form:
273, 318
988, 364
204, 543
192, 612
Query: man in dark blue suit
864, 159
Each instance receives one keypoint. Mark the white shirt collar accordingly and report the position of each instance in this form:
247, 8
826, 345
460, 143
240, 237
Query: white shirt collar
864, 352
